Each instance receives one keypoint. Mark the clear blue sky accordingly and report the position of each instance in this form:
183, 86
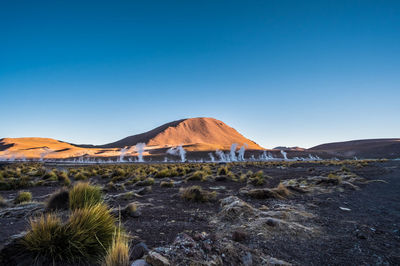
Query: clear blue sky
281, 72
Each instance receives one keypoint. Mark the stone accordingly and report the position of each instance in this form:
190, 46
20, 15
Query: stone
239, 236
247, 259
234, 208
272, 222
140, 263
221, 178
157, 259
139, 250
275, 261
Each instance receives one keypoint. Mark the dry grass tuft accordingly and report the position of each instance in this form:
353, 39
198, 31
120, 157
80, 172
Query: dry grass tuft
167, 183
3, 202
84, 195
196, 193
118, 253
23, 196
84, 238
282, 190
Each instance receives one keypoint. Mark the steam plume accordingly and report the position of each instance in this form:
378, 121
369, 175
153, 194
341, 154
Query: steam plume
233, 152
178, 151
140, 149
284, 154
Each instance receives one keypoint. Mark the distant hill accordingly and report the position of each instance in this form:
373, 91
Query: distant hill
195, 133
366, 148
289, 148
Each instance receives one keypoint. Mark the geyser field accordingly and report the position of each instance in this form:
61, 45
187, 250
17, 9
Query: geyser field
309, 212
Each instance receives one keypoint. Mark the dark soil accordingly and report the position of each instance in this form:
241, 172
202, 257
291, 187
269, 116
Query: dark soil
368, 234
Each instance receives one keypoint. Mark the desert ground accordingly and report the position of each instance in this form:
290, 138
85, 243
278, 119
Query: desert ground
248, 213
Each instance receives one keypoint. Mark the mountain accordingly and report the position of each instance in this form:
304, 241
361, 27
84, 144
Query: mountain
194, 134
201, 133
366, 148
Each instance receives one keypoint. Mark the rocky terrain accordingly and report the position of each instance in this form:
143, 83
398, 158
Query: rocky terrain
250, 213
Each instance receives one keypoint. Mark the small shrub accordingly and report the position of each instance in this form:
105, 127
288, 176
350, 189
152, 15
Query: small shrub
23, 196
39, 183
282, 190
130, 210
223, 170
242, 178
131, 207
84, 195
166, 173
257, 179
3, 202
167, 183
117, 178
147, 182
119, 172
63, 177
59, 200
345, 169
196, 193
80, 176
197, 176
51, 176
335, 177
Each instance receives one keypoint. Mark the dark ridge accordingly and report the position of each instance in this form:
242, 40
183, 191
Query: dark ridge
366, 148
355, 143
3, 146
35, 148
66, 149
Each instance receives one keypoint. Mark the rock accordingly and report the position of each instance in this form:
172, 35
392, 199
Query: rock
274, 261
140, 263
247, 259
157, 259
234, 208
218, 188
239, 236
139, 250
220, 178
200, 236
184, 240
272, 222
